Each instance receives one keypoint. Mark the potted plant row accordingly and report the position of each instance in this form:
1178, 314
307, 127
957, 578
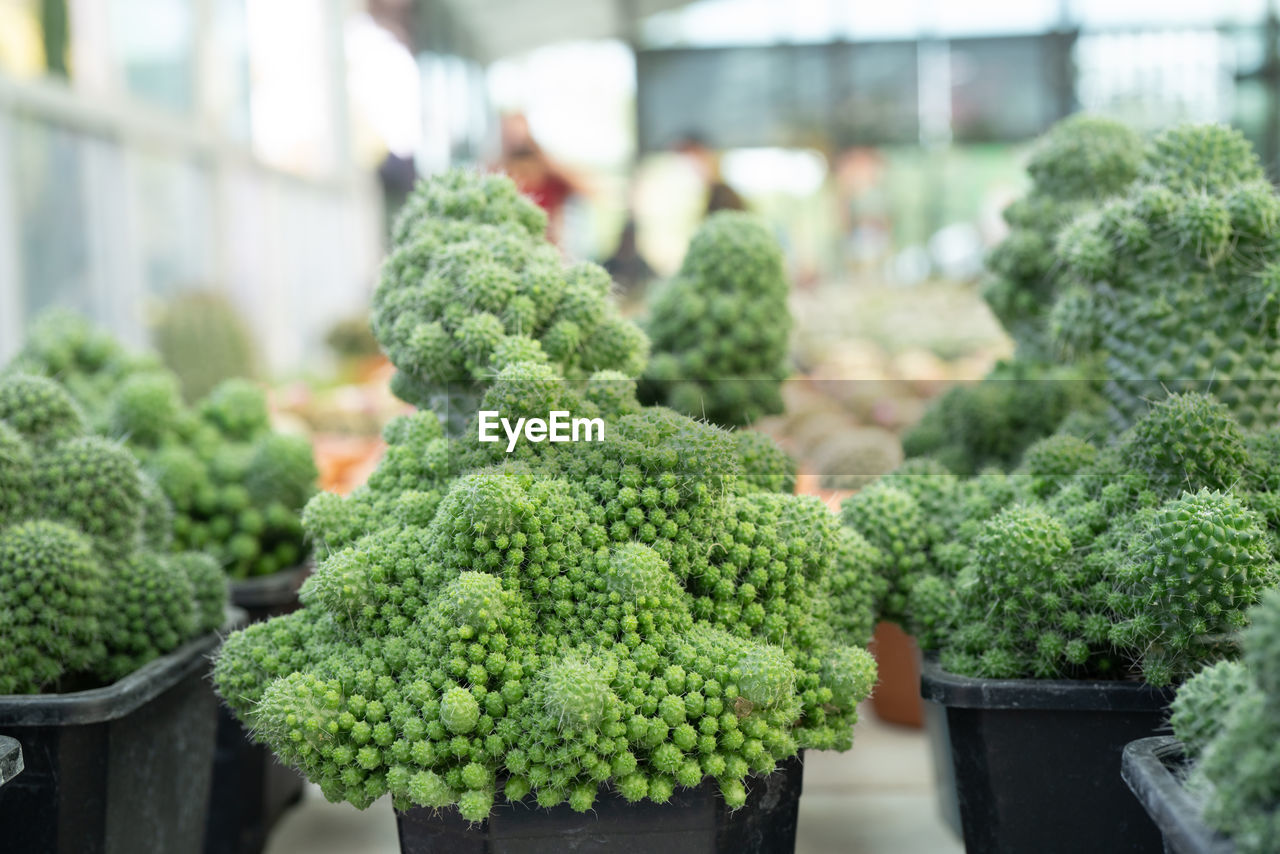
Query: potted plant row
106, 634
1067, 599
625, 641
236, 488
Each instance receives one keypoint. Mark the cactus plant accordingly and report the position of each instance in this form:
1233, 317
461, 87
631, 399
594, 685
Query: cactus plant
635, 612
1079, 162
1139, 558
1177, 282
1228, 717
720, 327
85, 597
236, 488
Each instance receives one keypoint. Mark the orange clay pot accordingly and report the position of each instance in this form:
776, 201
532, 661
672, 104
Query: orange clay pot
896, 698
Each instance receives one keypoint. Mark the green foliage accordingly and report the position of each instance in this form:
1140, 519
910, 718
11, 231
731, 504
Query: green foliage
720, 328
1197, 717
890, 520
1079, 162
238, 409
1228, 717
209, 585
38, 409
1188, 442
1178, 281
51, 585
1137, 558
858, 586
85, 597
233, 487
1053, 460
990, 423
85, 360
640, 612
764, 464
94, 485
471, 288
1198, 563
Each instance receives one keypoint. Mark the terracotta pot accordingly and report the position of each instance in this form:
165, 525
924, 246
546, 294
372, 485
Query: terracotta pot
896, 698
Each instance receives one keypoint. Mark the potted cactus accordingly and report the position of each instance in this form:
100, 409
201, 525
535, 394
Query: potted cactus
104, 637
720, 328
1212, 786
237, 489
1086, 578
538, 639
987, 425
1068, 599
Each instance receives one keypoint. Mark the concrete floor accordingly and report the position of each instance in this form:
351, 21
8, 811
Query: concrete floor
876, 799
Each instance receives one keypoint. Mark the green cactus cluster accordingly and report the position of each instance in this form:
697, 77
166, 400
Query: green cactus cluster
1140, 557
86, 595
971, 427
720, 328
1176, 283
235, 488
1080, 162
1228, 719
640, 612
471, 287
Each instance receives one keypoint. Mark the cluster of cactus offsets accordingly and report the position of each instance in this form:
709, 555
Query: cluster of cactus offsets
1228, 717
990, 423
1081, 161
720, 328
1177, 282
636, 612
235, 488
471, 286
1143, 555
89, 591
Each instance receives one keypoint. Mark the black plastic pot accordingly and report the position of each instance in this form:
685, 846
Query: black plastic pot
694, 821
1153, 768
10, 759
123, 769
1036, 761
251, 790
944, 773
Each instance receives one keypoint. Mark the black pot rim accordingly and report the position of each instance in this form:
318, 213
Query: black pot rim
120, 698
264, 591
1145, 769
1084, 695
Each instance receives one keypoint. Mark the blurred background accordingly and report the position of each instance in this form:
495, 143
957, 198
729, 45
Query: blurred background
216, 178
254, 149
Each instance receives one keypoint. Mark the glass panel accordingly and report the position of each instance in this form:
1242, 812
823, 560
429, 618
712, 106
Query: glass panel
172, 201
152, 45
53, 241
292, 105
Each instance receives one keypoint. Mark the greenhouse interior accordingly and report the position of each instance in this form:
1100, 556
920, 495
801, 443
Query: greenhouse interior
639, 426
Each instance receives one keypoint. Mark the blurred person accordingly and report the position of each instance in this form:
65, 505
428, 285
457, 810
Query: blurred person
628, 268
864, 208
706, 162
540, 178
